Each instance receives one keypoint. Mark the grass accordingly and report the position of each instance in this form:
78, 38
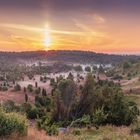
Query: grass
103, 133
107, 132
135, 98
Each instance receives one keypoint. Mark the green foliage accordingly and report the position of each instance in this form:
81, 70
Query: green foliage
76, 132
9, 106
85, 120
26, 97
78, 68
117, 77
17, 87
36, 84
12, 123
44, 93
32, 113
3, 88
38, 90
46, 124
129, 75
116, 109
26, 107
99, 117
70, 76
101, 69
135, 127
52, 130
30, 88
97, 103
88, 69
24, 89
42, 101
52, 81
126, 65
67, 90
64, 99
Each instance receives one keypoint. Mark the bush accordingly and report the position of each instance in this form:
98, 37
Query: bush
78, 68
76, 132
32, 113
52, 130
3, 88
46, 124
17, 87
135, 127
98, 103
99, 117
30, 88
42, 101
126, 65
9, 106
84, 121
88, 69
26, 107
38, 90
117, 77
12, 123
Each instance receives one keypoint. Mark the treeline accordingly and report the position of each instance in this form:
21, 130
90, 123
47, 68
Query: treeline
66, 56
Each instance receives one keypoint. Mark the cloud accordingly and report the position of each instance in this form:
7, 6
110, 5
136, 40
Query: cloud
35, 29
27, 43
88, 30
20, 27
99, 19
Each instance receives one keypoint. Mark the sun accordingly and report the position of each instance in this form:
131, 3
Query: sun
47, 38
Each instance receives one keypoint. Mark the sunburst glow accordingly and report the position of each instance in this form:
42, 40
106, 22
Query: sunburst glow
47, 39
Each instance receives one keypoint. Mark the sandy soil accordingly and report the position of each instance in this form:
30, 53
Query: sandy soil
17, 97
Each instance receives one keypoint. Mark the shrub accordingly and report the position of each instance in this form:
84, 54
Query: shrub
52, 81
78, 68
32, 113
44, 93
135, 127
26, 97
84, 121
47, 125
17, 87
12, 123
3, 88
76, 132
117, 77
38, 90
30, 88
26, 107
42, 101
99, 117
9, 106
88, 69
52, 130
126, 65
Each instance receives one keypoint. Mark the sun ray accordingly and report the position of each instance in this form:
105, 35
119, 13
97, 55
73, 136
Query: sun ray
47, 39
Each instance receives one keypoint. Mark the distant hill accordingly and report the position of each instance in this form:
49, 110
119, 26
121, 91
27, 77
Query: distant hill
66, 56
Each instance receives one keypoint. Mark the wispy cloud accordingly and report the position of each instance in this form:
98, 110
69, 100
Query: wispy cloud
99, 19
35, 29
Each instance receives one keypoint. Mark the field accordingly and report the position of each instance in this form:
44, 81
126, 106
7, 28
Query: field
108, 132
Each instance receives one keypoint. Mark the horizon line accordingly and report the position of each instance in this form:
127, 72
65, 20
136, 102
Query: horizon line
108, 53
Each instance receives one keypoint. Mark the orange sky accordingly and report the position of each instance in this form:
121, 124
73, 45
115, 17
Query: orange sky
37, 27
